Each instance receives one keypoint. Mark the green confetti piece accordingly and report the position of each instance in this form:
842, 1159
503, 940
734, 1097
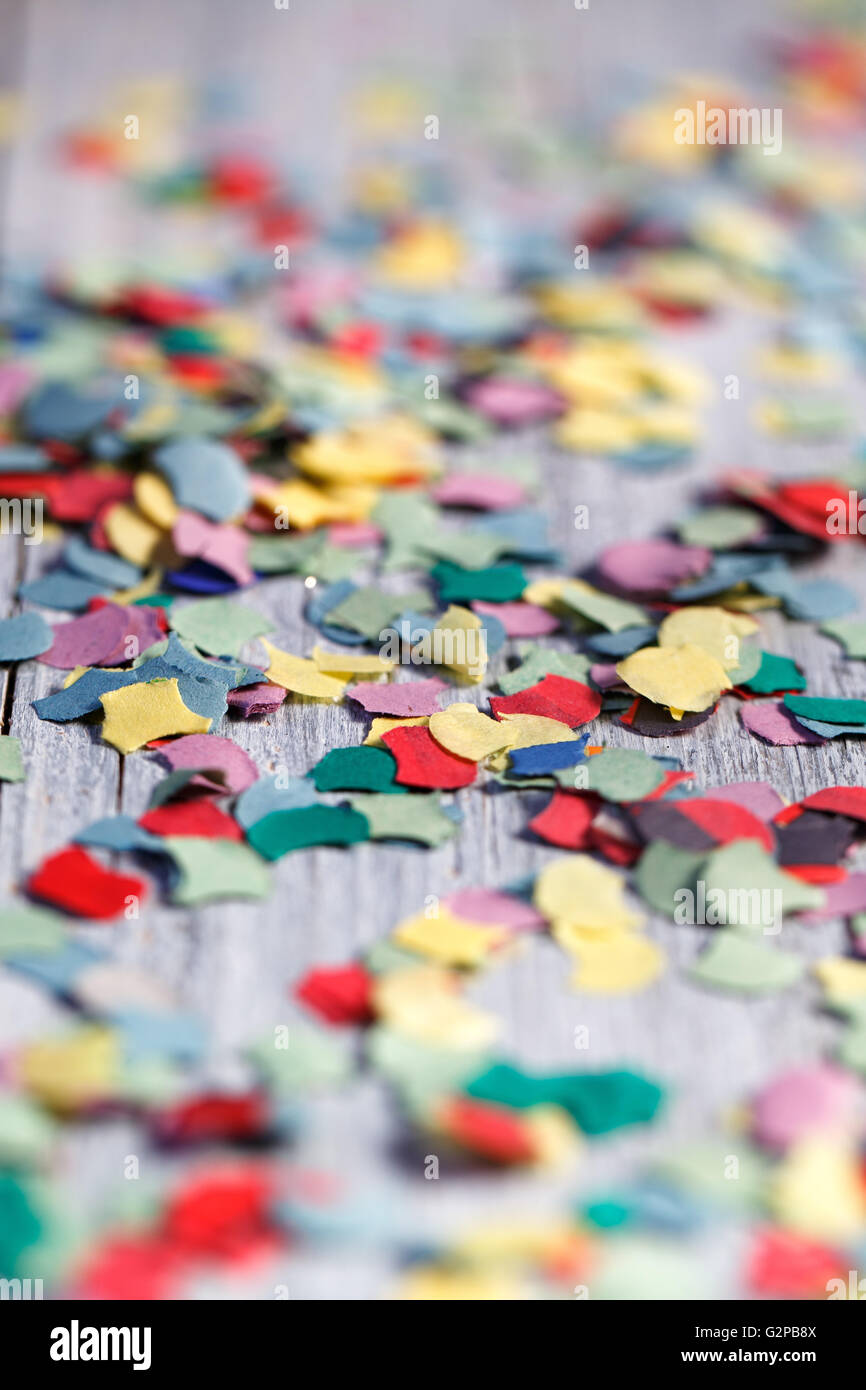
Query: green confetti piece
734, 960
370, 610
26, 1132
383, 956
754, 890
26, 930
361, 769
214, 869
11, 762
20, 1224
648, 1267
219, 626
421, 1073
418, 817
663, 871
721, 528
297, 1060
705, 1171
774, 673
282, 554
283, 831
493, 584
749, 665
614, 614
617, 774
827, 711
539, 662
598, 1102
466, 549
852, 1049
850, 632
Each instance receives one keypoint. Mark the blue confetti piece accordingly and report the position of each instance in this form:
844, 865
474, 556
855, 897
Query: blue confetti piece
24, 636
547, 757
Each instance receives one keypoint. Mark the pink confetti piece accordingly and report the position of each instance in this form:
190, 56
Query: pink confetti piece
261, 698
841, 899
496, 909
775, 724
351, 534
804, 1101
518, 619
486, 491
758, 797
224, 547
653, 566
212, 754
107, 636
604, 674
513, 400
411, 698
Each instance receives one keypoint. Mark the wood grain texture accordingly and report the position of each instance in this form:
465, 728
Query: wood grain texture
234, 964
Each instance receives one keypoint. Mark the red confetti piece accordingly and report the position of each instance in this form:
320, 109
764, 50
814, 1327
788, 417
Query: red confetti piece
222, 1213
817, 873
566, 819
790, 1266
210, 1118
77, 883
340, 994
493, 1131
672, 779
422, 763
132, 1267
554, 697
843, 801
726, 821
615, 848
200, 818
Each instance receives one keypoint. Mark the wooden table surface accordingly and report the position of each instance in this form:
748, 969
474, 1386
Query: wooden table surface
233, 963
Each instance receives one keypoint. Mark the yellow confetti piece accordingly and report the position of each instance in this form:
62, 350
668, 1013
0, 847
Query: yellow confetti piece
425, 1002
373, 451
843, 979
527, 730
458, 643
67, 1073
714, 630
552, 1133
686, 678
383, 726
621, 964
522, 1242
579, 891
135, 714
448, 939
427, 255
590, 306
817, 1190
136, 539
155, 500
305, 506
430, 1284
597, 432
349, 664
545, 592
298, 674
463, 730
